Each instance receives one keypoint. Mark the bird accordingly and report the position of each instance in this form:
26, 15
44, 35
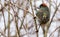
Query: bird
43, 15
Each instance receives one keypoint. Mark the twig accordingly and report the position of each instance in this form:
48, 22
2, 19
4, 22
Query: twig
53, 15
4, 19
9, 21
34, 19
54, 30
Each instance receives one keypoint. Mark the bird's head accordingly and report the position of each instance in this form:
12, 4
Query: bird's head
43, 5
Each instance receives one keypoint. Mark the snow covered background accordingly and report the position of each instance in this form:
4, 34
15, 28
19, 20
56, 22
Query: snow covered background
29, 20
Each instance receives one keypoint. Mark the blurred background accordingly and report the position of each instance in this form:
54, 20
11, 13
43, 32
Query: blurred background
17, 18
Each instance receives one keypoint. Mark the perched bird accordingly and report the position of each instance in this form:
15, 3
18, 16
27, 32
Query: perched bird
43, 15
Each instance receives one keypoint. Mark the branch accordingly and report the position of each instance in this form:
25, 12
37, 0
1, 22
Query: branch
54, 30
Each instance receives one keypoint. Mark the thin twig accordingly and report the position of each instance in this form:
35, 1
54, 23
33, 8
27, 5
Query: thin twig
34, 19
9, 22
54, 30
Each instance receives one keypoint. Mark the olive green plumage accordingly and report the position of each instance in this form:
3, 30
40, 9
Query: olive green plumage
43, 14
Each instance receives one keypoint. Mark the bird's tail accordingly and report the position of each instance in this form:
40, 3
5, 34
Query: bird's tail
43, 28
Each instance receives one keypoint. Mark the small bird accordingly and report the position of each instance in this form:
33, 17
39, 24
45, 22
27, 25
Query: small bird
43, 15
